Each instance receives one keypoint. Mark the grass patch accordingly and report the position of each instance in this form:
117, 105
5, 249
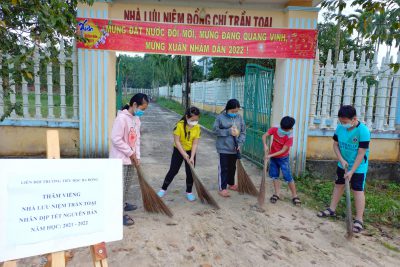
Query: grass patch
382, 199
44, 107
390, 247
206, 119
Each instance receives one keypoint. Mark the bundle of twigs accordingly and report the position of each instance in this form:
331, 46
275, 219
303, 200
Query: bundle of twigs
202, 193
151, 201
349, 217
261, 195
245, 184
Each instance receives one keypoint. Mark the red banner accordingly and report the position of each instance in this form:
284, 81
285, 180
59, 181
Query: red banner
199, 40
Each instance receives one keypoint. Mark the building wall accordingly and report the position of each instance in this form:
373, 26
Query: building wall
320, 148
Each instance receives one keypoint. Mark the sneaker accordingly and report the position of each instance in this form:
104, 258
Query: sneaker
161, 193
190, 197
127, 220
129, 207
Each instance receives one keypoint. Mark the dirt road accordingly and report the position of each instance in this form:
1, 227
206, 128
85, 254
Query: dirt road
236, 235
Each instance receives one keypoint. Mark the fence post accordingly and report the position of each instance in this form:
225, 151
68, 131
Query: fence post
1, 87
25, 100
360, 88
395, 95
381, 96
50, 97
36, 69
327, 90
61, 59
365, 92
74, 80
388, 94
313, 106
349, 82
372, 92
338, 89
11, 83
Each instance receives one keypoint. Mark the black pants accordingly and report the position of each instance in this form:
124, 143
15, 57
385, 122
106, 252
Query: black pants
226, 170
176, 163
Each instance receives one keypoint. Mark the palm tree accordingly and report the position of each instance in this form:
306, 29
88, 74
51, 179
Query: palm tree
380, 28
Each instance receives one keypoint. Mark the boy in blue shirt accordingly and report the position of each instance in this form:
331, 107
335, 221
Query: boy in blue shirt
351, 146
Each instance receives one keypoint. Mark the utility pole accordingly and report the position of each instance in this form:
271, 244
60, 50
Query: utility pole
188, 79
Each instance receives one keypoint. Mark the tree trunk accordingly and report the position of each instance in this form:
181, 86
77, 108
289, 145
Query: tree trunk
338, 32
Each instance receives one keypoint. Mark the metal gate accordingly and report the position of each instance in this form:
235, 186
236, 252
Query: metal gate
257, 109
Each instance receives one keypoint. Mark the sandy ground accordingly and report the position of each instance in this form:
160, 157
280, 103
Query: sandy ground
235, 235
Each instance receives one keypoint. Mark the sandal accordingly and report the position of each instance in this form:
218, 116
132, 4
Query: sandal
296, 201
358, 226
274, 199
326, 213
224, 193
129, 207
127, 220
233, 187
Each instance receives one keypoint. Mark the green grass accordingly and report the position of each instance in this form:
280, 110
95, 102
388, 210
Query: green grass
43, 105
382, 199
206, 119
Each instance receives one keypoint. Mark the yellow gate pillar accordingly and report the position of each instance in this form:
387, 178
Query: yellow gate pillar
292, 87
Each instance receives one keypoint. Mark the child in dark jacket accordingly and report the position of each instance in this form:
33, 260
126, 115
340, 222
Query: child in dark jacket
231, 134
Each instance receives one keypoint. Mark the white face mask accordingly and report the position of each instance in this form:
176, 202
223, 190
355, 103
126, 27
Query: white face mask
192, 123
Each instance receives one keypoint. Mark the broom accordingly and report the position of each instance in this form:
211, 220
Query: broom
261, 195
349, 220
204, 196
151, 201
245, 185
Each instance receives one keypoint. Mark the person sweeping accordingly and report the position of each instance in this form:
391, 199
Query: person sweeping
351, 145
125, 145
278, 157
187, 133
231, 134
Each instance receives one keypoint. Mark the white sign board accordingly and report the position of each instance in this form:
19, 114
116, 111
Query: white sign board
49, 205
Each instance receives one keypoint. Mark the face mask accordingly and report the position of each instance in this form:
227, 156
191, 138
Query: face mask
347, 125
192, 123
139, 112
282, 132
232, 115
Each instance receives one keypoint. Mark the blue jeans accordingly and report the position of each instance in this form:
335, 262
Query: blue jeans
277, 164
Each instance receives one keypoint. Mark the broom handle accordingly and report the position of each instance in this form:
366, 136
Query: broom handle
238, 154
349, 222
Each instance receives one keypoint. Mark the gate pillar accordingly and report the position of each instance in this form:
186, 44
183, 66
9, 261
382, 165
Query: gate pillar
292, 87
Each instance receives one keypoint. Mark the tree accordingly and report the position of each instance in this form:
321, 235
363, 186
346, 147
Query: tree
24, 24
223, 68
379, 21
327, 35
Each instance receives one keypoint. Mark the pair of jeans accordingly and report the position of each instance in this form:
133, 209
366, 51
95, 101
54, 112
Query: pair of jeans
283, 164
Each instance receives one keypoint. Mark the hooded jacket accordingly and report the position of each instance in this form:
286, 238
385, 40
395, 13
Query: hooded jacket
222, 128
125, 137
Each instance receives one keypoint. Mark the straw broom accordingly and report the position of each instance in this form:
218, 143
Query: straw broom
151, 201
245, 184
204, 196
261, 195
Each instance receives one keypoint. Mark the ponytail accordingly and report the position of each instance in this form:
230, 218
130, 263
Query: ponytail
139, 99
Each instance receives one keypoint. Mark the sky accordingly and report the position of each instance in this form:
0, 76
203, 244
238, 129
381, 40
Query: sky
381, 53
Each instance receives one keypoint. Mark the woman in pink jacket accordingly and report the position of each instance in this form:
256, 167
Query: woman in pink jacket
125, 144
